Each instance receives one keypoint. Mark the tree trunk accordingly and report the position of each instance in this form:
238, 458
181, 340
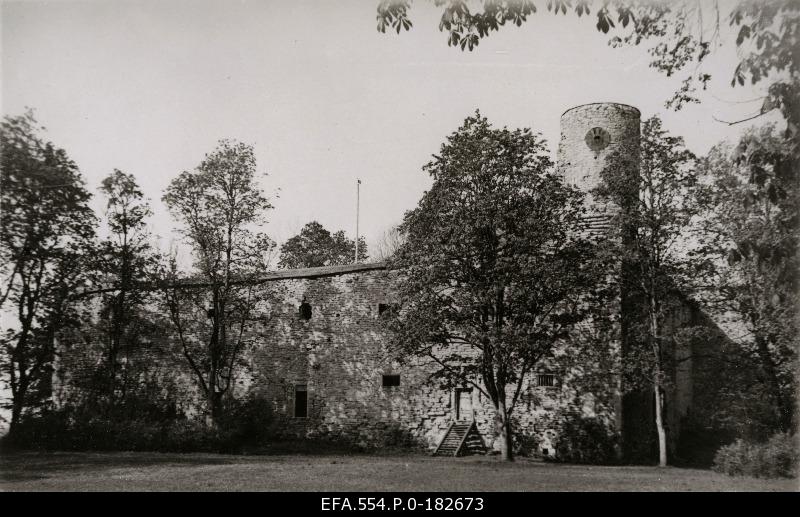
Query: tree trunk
657, 379
118, 314
19, 376
662, 435
504, 435
16, 415
215, 408
213, 355
782, 403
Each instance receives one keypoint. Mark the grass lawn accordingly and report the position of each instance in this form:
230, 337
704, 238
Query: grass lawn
31, 471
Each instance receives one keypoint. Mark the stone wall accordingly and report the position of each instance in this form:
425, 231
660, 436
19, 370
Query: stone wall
342, 352
340, 355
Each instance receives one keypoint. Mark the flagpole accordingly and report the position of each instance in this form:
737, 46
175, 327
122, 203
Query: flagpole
358, 200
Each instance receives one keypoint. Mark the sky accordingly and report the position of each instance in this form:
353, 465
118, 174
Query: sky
149, 87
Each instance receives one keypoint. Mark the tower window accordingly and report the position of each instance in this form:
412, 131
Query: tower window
391, 380
300, 401
305, 310
546, 380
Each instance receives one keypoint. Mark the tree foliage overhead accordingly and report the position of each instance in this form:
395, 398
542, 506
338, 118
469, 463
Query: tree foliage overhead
680, 35
46, 236
494, 267
218, 205
315, 246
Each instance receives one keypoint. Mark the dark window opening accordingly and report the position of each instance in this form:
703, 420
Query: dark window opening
386, 307
547, 380
300, 401
391, 380
305, 310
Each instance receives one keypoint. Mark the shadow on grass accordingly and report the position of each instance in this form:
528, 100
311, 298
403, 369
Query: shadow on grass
30, 465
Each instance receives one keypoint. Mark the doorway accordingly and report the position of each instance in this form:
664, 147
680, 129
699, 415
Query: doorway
464, 404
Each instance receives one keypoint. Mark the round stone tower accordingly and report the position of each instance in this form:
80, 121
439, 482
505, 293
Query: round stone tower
594, 137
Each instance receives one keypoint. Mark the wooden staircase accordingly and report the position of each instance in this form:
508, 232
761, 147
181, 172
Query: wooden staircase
461, 438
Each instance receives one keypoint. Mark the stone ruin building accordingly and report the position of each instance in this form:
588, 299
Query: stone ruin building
321, 355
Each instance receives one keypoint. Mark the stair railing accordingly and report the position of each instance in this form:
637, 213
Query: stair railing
464, 438
443, 438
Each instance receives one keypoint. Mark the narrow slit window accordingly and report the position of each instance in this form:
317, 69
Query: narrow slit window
300, 401
391, 380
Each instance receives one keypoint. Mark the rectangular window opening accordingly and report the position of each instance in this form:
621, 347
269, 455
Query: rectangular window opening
385, 307
300, 401
391, 380
546, 380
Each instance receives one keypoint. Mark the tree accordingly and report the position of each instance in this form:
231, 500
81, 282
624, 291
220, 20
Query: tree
747, 262
315, 246
682, 35
47, 232
495, 270
654, 214
217, 204
390, 243
126, 261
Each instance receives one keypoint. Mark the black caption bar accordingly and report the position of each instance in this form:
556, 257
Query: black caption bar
402, 503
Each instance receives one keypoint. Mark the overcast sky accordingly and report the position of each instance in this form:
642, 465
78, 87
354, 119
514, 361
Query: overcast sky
149, 87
